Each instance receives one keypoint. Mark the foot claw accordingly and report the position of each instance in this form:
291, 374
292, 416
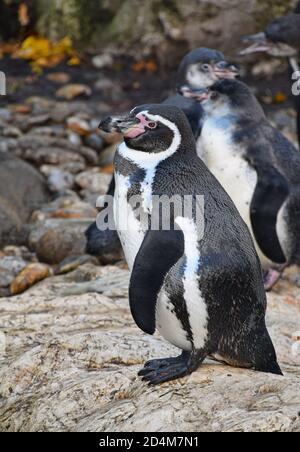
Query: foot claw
161, 370
165, 373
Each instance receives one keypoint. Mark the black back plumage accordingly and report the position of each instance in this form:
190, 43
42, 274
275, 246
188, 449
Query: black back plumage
230, 275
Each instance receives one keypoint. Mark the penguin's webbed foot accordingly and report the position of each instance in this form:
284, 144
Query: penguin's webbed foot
161, 370
271, 277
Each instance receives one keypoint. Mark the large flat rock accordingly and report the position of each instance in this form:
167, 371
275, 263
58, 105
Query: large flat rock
71, 352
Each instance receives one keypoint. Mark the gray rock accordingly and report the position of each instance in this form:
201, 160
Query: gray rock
59, 181
11, 132
94, 181
70, 363
56, 130
55, 239
69, 167
104, 84
22, 190
10, 267
53, 150
74, 138
5, 114
102, 61
95, 141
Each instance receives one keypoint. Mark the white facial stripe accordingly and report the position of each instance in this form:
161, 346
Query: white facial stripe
149, 160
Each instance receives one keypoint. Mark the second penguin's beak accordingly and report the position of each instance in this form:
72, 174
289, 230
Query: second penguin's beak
128, 126
258, 43
225, 70
197, 94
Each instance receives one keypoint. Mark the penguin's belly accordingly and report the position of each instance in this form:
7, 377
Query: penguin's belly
186, 327
282, 230
232, 171
129, 228
167, 323
227, 164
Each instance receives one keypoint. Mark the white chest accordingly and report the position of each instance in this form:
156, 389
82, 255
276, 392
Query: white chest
129, 228
226, 162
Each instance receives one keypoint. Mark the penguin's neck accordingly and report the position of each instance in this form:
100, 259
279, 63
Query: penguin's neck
146, 165
146, 160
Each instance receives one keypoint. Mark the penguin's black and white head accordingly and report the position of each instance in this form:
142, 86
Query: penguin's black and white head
281, 38
227, 97
202, 67
152, 129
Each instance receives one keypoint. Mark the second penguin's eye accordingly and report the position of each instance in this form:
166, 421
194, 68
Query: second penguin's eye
214, 95
152, 125
205, 67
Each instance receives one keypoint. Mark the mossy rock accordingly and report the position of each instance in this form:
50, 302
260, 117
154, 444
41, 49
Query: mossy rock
163, 27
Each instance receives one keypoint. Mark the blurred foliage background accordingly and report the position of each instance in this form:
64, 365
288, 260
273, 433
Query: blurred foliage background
163, 28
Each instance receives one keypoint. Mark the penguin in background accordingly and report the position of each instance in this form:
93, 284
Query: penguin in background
200, 68
258, 167
198, 281
281, 39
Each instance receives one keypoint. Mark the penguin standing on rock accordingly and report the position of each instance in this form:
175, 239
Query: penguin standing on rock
281, 38
198, 281
258, 167
200, 68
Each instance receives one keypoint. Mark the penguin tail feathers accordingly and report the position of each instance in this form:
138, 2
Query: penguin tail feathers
266, 358
270, 368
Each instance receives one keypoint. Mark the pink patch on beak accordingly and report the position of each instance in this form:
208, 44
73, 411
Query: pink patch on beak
134, 131
138, 129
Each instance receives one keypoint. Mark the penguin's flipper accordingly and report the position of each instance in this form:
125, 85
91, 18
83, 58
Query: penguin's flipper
270, 193
159, 251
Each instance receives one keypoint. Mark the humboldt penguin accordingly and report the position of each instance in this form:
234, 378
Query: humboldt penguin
195, 274
258, 167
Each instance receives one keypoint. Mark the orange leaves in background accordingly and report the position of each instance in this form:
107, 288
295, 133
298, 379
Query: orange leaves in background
280, 97
44, 54
7, 48
145, 66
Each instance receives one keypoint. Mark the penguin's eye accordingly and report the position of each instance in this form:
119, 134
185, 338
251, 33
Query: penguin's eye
205, 67
152, 125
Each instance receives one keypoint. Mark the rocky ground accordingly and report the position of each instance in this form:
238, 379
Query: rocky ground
69, 350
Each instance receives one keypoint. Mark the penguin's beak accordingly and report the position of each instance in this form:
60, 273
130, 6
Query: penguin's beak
129, 126
258, 43
200, 95
225, 70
